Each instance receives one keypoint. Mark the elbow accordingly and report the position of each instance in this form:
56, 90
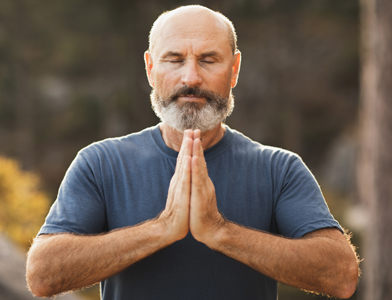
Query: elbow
39, 267
36, 283
36, 280
39, 291
347, 291
348, 283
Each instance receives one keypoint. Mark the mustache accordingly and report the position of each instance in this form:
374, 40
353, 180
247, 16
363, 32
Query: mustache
194, 91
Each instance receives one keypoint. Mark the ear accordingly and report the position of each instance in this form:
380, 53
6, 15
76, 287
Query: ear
148, 62
235, 69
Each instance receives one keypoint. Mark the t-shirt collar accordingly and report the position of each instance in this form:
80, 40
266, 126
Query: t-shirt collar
209, 154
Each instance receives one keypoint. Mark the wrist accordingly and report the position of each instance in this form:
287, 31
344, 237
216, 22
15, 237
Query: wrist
219, 235
162, 230
168, 232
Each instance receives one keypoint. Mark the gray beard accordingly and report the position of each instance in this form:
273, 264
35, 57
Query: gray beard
192, 115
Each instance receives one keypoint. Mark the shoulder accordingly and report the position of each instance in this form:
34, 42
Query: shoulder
129, 145
243, 145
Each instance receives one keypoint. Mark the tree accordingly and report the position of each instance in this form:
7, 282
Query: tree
375, 160
23, 205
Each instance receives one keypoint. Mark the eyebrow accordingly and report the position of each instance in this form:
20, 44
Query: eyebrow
178, 54
171, 53
211, 53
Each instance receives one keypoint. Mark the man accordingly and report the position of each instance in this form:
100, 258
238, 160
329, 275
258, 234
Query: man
142, 214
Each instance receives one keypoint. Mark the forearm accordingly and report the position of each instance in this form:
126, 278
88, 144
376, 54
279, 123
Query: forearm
66, 262
324, 264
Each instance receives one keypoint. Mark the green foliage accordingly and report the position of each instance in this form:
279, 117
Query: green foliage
23, 205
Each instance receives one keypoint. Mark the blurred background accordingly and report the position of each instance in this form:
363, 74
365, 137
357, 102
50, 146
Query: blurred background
72, 72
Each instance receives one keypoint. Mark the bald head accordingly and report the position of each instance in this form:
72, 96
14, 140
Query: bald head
191, 15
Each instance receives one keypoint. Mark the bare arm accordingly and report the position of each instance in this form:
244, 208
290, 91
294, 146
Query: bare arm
323, 261
63, 262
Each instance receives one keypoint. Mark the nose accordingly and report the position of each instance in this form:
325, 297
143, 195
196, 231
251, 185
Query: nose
191, 76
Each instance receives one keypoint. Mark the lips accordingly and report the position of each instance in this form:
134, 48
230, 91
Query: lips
191, 97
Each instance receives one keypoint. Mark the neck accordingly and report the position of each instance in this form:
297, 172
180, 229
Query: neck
173, 138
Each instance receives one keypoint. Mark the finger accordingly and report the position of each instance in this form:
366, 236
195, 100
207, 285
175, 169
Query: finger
185, 179
197, 134
188, 139
196, 178
182, 167
183, 188
182, 171
182, 148
199, 165
186, 147
197, 149
186, 160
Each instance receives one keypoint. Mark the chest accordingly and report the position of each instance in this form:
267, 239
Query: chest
138, 192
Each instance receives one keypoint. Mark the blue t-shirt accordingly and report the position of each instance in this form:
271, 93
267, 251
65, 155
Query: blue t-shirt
124, 181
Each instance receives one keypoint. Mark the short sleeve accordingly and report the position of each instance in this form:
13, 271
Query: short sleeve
79, 207
300, 207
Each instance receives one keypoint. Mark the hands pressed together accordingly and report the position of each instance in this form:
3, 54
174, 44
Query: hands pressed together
191, 201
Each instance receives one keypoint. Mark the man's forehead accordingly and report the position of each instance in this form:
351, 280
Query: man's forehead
189, 15
175, 34
190, 24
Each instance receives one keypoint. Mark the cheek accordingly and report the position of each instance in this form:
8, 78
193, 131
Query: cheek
222, 82
163, 82
159, 83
